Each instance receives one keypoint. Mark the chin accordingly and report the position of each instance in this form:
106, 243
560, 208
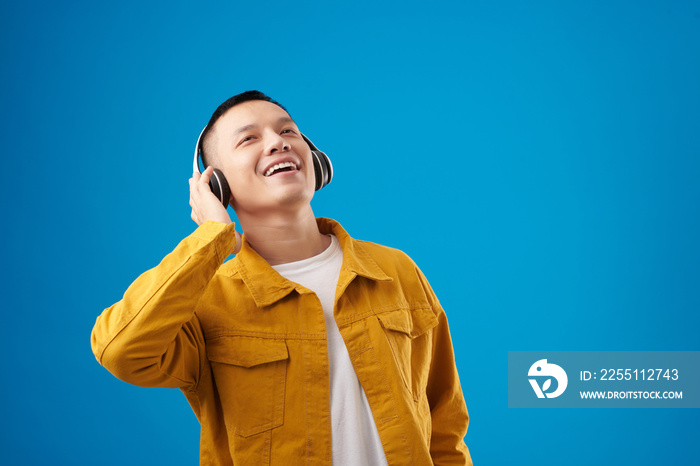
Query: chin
294, 198
285, 199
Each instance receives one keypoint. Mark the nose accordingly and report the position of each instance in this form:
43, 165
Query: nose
275, 143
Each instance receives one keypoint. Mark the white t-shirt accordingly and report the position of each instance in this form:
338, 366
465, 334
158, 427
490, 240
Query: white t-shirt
354, 434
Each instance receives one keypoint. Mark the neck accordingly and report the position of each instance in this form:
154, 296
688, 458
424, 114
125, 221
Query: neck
284, 236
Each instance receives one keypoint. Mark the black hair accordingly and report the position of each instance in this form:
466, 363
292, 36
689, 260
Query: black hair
225, 107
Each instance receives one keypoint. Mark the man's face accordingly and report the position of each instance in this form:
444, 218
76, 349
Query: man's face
249, 141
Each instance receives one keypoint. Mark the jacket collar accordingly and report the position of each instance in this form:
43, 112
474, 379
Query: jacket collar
267, 286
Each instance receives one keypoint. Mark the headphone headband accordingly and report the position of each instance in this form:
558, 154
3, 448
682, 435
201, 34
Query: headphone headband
195, 168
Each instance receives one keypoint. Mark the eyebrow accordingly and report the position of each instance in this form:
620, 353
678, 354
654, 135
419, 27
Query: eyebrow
249, 127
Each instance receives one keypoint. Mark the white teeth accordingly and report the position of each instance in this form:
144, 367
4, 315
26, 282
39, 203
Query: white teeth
276, 167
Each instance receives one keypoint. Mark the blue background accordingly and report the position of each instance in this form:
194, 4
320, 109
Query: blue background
538, 160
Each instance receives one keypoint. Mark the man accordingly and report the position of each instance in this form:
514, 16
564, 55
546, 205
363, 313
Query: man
308, 347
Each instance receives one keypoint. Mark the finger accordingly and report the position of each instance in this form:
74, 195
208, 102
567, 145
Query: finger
194, 189
206, 175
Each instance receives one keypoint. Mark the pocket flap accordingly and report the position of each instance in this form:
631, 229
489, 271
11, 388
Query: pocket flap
246, 351
413, 323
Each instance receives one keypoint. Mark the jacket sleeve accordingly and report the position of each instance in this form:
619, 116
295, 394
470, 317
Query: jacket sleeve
152, 337
448, 410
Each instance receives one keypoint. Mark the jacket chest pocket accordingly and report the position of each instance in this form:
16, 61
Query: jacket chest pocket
411, 340
250, 377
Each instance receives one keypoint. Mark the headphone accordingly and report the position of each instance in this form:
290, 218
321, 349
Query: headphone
323, 169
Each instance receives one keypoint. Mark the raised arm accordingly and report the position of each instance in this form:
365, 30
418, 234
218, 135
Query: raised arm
152, 337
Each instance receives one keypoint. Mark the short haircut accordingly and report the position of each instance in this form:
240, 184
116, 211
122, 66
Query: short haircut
225, 107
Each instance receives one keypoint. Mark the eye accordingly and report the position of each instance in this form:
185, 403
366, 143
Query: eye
288, 131
245, 139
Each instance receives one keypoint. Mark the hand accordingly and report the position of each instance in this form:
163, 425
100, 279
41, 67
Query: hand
205, 205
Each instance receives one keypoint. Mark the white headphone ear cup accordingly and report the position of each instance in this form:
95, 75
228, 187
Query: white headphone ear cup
219, 186
323, 169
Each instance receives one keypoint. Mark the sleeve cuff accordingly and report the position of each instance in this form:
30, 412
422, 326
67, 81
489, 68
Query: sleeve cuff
223, 236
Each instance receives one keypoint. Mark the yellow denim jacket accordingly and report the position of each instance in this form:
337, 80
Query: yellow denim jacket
248, 349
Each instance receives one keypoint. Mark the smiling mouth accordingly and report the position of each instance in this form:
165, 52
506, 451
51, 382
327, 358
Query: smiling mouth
281, 167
